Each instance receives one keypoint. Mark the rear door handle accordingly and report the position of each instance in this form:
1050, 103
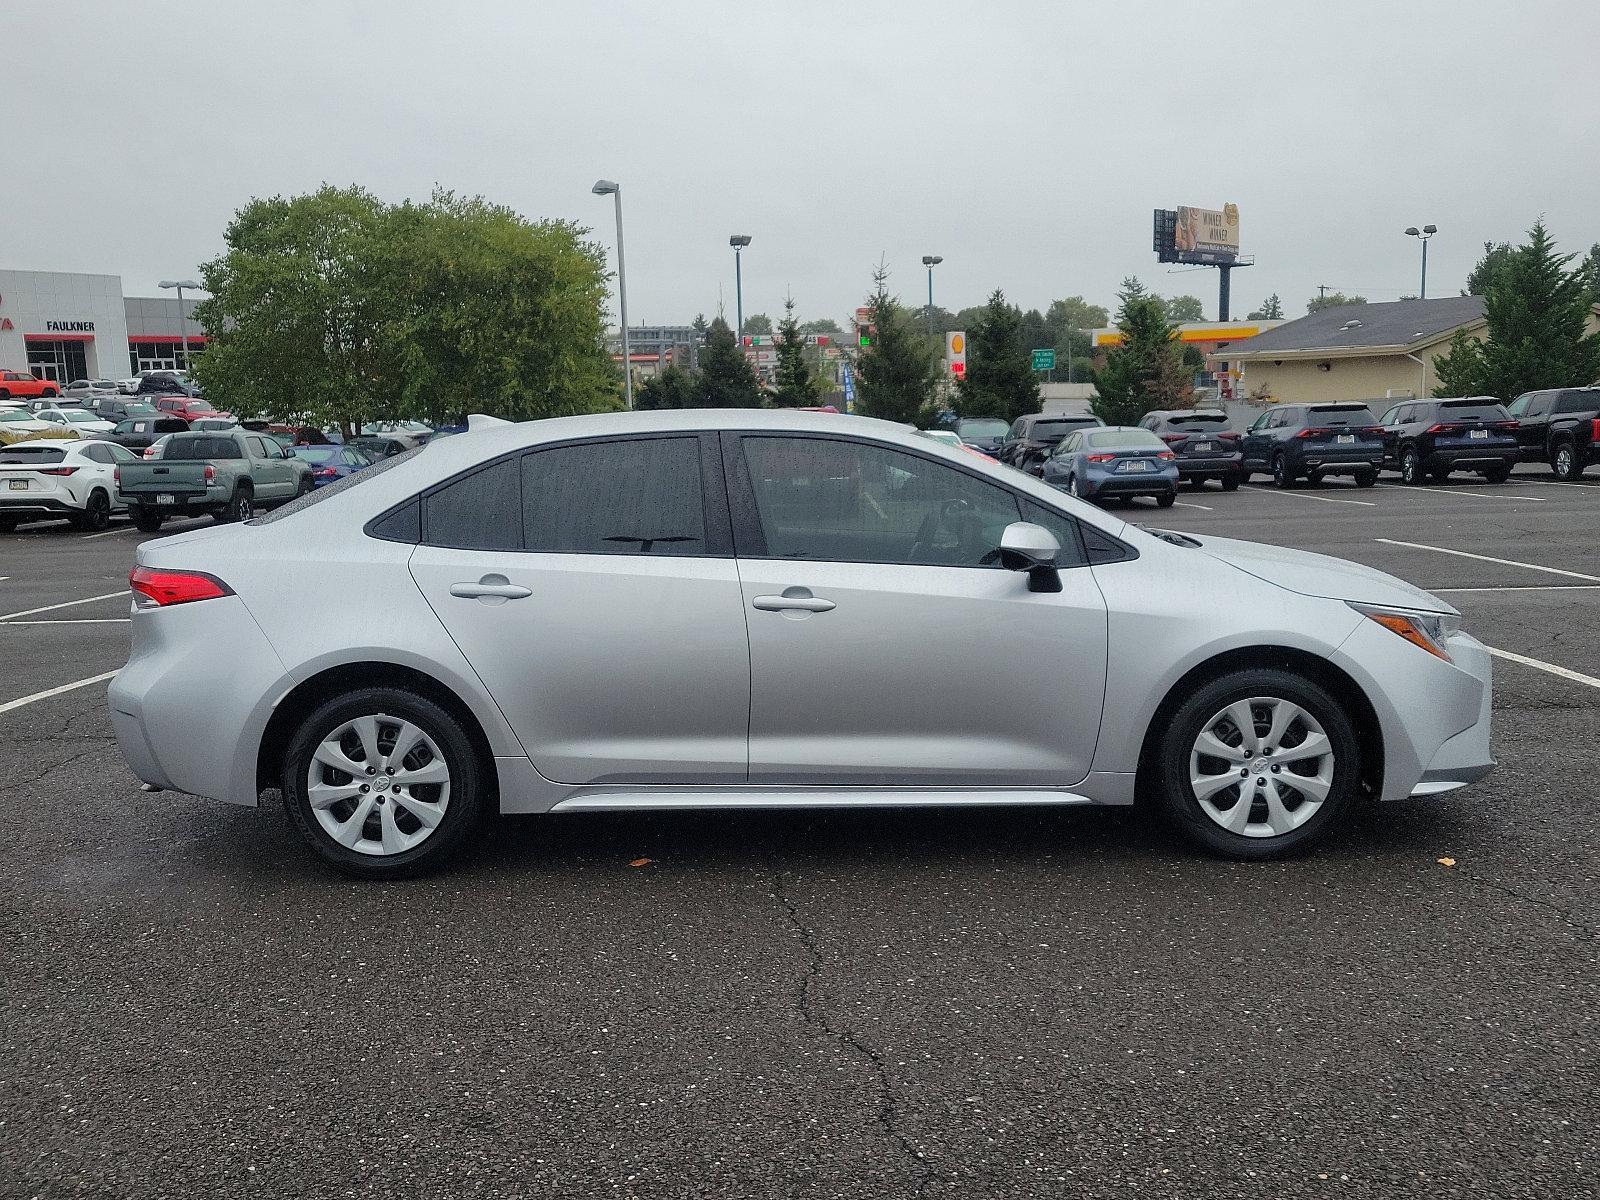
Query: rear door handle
797, 598
490, 587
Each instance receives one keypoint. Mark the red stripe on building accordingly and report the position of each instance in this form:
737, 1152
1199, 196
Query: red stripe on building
58, 337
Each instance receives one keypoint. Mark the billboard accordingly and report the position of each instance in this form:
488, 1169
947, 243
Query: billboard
1197, 235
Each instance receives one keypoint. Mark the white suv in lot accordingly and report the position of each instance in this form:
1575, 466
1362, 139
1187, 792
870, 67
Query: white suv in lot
737, 609
74, 481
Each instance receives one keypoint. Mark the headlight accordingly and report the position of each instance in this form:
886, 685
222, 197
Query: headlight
1426, 630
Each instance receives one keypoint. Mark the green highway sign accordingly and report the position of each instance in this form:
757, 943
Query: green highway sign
1044, 360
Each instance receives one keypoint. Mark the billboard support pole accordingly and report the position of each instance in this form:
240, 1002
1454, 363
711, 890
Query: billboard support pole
1223, 291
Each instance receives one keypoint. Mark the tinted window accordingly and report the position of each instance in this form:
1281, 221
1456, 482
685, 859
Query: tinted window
31, 454
1342, 414
639, 496
1064, 528
1538, 405
1572, 402
1200, 421
1471, 410
481, 511
840, 501
198, 447
96, 454
1049, 431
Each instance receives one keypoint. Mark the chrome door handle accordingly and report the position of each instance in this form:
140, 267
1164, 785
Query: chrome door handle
490, 587
798, 598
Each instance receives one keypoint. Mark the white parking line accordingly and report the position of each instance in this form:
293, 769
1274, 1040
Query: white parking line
1304, 496
1556, 483
89, 537
1541, 666
1537, 587
76, 621
20, 701
1201, 507
1504, 562
1436, 490
28, 612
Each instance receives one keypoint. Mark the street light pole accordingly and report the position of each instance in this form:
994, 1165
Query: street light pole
931, 261
1423, 234
738, 241
604, 187
183, 325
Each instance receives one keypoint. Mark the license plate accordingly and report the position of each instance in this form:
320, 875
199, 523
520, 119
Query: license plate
1137, 464
1201, 447
1346, 439
164, 498
1479, 433
18, 485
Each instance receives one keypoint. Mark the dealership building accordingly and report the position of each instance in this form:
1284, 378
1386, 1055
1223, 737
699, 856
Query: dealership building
65, 326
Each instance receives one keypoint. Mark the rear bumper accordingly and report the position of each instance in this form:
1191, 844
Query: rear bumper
1211, 467
1131, 485
1461, 456
44, 505
1332, 463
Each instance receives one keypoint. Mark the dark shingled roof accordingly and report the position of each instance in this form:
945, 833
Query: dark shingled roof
1398, 323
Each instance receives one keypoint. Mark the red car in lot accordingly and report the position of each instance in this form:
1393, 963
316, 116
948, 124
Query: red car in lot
190, 408
21, 385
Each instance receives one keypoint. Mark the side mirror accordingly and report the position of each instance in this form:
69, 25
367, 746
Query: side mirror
1025, 546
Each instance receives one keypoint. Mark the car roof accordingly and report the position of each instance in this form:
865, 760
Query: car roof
53, 443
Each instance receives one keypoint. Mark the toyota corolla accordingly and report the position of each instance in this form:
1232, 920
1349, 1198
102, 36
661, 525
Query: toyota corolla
732, 609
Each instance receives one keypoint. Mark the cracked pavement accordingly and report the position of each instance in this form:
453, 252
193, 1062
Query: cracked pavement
865, 1004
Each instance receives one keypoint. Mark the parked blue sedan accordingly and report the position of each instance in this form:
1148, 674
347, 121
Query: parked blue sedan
1114, 463
329, 463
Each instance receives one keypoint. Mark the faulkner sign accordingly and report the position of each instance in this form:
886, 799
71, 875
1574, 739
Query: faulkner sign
69, 326
1198, 235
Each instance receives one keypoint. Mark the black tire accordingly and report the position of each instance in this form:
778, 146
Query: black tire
1281, 474
1166, 499
1498, 474
1169, 768
1564, 462
468, 785
1196, 483
306, 487
145, 520
1230, 483
1411, 467
1367, 478
96, 512
241, 507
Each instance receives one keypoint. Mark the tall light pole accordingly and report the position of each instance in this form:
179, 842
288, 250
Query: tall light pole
1423, 234
931, 261
739, 241
183, 325
604, 187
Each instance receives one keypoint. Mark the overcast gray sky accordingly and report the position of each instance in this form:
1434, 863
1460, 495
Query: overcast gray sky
1025, 142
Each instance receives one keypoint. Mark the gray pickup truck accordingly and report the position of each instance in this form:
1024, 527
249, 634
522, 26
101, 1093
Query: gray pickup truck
227, 473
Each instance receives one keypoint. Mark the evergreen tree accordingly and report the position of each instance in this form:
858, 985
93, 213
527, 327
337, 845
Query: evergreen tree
726, 380
826, 325
1146, 371
1537, 312
1000, 380
1270, 310
1332, 300
758, 323
1494, 260
797, 386
671, 387
896, 374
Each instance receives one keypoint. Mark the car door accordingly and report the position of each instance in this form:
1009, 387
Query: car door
1255, 441
592, 587
1391, 433
1531, 411
888, 647
272, 477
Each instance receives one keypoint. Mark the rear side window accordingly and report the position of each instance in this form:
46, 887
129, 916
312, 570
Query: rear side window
1573, 402
480, 511
639, 496
193, 448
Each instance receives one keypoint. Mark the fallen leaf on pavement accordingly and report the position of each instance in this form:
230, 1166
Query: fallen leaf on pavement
645, 862
1446, 862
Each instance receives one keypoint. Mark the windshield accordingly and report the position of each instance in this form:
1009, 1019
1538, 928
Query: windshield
981, 427
317, 454
15, 416
77, 416
194, 448
1055, 430
1341, 414
1472, 410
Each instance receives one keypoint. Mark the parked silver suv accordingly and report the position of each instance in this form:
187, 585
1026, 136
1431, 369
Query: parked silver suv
769, 609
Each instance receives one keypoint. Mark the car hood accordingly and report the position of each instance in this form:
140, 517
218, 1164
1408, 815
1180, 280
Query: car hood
1319, 575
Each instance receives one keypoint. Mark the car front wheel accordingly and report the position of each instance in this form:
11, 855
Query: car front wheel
1257, 764
382, 782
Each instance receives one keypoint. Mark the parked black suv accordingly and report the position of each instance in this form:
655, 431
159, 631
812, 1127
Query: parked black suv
1032, 437
1427, 439
1295, 441
1560, 427
1203, 441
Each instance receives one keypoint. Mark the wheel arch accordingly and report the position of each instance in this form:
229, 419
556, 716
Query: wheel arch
344, 677
1287, 658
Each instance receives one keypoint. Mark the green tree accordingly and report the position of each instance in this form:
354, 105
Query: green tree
1076, 313
1146, 371
1332, 300
895, 376
1000, 379
758, 323
1185, 310
1590, 270
1271, 310
699, 324
1537, 311
671, 387
825, 325
726, 380
797, 385
336, 308
1496, 257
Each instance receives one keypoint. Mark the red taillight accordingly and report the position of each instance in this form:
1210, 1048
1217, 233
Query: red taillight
1166, 454
1503, 425
1444, 428
1228, 437
1311, 433
154, 588
324, 472
62, 472
116, 476
1101, 457
149, 452
1373, 431
211, 473
1594, 429
1172, 439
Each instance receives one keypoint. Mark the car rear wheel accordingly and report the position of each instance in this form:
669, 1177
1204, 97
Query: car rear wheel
145, 520
382, 782
1230, 483
1564, 462
1281, 474
1367, 478
96, 512
1498, 474
1167, 499
1411, 466
8, 524
1258, 764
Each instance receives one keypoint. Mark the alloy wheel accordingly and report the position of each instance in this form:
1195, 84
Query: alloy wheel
1072, 486
1410, 468
1261, 767
378, 785
1563, 463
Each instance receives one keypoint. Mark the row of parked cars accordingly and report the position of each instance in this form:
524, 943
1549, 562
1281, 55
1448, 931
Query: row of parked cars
1421, 440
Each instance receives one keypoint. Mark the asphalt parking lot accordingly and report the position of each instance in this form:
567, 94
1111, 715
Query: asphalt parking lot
941, 1003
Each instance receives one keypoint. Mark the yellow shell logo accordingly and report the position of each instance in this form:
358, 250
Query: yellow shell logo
958, 344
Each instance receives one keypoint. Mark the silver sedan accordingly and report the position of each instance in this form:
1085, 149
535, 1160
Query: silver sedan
738, 609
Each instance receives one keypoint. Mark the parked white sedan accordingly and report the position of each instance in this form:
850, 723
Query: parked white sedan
74, 481
734, 609
77, 420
